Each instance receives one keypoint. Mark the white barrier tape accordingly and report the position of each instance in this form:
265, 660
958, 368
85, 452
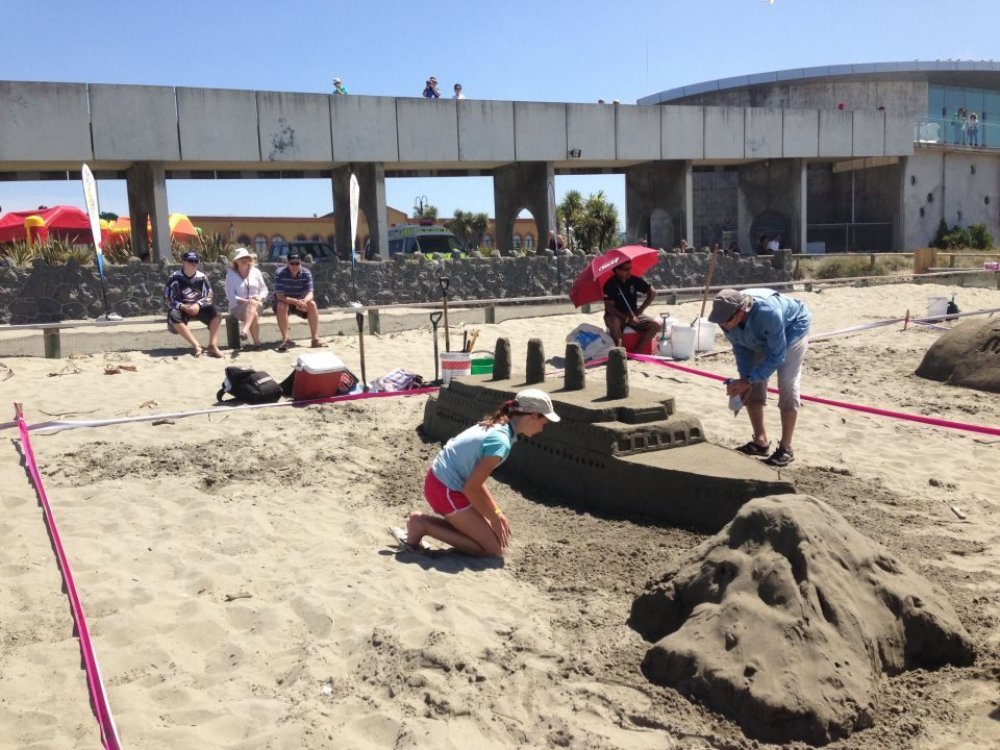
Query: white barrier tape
931, 320
59, 425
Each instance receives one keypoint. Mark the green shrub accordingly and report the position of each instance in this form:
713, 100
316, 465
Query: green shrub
975, 236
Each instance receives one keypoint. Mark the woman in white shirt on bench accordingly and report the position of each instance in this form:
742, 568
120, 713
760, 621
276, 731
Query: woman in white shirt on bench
246, 291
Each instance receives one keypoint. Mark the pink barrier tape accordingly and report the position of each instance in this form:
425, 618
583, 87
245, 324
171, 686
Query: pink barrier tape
99, 699
932, 421
59, 425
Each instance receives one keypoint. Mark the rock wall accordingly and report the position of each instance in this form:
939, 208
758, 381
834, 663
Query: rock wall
46, 294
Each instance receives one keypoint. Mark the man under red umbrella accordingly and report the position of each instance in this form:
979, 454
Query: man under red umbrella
621, 308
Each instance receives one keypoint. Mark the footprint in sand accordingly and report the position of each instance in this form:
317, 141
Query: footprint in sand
318, 621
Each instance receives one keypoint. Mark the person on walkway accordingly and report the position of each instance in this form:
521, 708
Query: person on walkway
431, 89
465, 514
769, 333
338, 87
188, 295
293, 291
972, 130
622, 308
246, 291
458, 92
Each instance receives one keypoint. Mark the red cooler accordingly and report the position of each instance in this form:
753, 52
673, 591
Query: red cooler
630, 340
317, 375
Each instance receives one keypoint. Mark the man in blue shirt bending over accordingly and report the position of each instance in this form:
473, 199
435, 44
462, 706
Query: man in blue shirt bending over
769, 333
293, 291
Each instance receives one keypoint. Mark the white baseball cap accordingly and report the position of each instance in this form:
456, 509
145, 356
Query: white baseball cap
534, 401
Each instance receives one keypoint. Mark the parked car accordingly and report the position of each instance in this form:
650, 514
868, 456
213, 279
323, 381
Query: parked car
420, 238
319, 251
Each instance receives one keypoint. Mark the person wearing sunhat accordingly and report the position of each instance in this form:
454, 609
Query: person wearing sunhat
188, 295
465, 514
339, 88
246, 291
769, 333
431, 89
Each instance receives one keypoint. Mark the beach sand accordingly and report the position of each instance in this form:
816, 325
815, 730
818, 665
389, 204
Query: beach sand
242, 589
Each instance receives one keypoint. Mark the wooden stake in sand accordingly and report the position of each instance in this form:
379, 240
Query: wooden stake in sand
708, 281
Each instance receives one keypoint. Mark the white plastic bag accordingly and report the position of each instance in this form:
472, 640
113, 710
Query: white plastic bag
595, 342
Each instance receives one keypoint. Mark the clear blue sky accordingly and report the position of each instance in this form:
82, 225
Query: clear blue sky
555, 50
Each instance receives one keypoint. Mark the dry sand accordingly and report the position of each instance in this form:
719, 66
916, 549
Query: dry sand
333, 640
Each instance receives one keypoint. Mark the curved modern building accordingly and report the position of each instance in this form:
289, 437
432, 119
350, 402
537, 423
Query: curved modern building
949, 109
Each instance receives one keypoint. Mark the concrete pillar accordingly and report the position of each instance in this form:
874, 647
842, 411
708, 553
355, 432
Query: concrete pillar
771, 200
146, 184
617, 373
371, 182
575, 372
516, 187
534, 366
501, 359
659, 203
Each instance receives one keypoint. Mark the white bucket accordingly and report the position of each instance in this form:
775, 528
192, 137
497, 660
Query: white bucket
682, 340
455, 365
937, 307
705, 339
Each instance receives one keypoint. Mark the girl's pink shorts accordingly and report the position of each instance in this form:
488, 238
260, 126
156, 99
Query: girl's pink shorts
442, 498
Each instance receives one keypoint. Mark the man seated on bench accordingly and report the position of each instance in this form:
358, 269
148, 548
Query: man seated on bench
293, 291
188, 295
621, 308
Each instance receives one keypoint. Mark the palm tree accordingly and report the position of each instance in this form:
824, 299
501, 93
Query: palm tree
602, 221
571, 215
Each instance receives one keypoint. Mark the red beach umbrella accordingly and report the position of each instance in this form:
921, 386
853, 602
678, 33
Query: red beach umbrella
589, 285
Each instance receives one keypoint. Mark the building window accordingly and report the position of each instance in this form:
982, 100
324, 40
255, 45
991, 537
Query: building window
529, 242
487, 240
276, 239
318, 238
260, 244
300, 238
517, 242
244, 240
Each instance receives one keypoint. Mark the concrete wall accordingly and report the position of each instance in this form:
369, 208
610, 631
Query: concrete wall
364, 128
427, 130
592, 130
293, 127
225, 129
943, 183
42, 293
44, 121
134, 123
485, 130
218, 125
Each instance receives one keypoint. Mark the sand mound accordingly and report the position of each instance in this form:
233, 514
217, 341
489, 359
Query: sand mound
967, 355
785, 620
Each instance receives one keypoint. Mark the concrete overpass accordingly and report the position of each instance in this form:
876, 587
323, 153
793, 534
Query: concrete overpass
149, 134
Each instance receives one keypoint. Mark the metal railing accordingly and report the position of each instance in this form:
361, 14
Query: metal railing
956, 132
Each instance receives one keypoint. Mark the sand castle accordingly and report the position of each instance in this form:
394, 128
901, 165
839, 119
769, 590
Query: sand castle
618, 450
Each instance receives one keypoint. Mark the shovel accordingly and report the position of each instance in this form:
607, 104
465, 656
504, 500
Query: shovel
360, 318
445, 283
435, 319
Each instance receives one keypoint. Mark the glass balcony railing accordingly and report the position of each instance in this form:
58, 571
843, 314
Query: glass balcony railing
947, 131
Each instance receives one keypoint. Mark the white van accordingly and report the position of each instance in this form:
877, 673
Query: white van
423, 238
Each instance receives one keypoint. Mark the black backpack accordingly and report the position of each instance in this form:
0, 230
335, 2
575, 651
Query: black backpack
249, 386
